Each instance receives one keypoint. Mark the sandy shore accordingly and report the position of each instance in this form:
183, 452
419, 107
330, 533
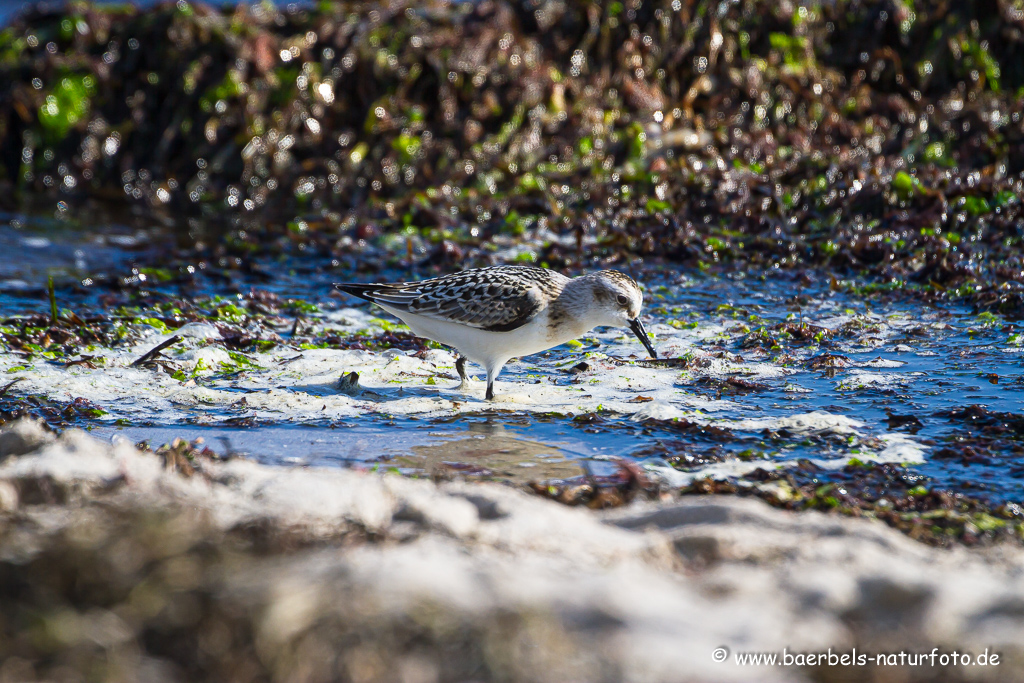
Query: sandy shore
114, 567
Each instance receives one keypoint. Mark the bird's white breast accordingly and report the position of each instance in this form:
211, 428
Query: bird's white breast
483, 346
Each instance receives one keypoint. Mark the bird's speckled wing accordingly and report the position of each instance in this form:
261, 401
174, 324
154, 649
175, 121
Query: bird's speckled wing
498, 299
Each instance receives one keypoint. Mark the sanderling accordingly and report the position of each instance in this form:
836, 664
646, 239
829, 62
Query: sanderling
491, 315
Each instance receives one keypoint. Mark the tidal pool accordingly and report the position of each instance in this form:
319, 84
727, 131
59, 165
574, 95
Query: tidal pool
761, 371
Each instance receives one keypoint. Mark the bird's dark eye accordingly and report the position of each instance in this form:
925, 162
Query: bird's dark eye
622, 299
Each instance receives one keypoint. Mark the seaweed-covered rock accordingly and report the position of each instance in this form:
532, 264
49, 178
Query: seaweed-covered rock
881, 137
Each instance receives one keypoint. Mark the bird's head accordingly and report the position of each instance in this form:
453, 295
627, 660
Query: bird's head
618, 302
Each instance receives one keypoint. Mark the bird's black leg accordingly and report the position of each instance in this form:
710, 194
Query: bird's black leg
492, 374
460, 367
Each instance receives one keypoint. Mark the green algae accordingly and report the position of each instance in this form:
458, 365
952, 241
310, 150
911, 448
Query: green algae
65, 105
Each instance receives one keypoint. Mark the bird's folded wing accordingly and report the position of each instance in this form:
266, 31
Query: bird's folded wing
494, 306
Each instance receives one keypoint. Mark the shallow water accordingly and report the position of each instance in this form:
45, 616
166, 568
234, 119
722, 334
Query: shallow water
482, 447
870, 381
35, 248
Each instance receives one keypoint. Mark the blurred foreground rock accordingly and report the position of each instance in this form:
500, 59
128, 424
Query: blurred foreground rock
113, 568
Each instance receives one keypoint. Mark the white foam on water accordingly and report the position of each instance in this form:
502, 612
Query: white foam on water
862, 379
817, 422
663, 472
205, 360
899, 448
199, 331
659, 411
882, 363
288, 384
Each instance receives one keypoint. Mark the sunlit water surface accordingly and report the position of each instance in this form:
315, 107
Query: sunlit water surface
903, 366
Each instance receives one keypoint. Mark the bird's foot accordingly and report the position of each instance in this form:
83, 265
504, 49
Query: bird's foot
460, 366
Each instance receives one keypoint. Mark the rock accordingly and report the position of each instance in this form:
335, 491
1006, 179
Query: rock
455, 516
23, 436
880, 588
8, 497
74, 466
199, 330
349, 383
311, 574
579, 368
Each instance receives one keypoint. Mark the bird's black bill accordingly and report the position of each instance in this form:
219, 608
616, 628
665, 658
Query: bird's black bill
641, 334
